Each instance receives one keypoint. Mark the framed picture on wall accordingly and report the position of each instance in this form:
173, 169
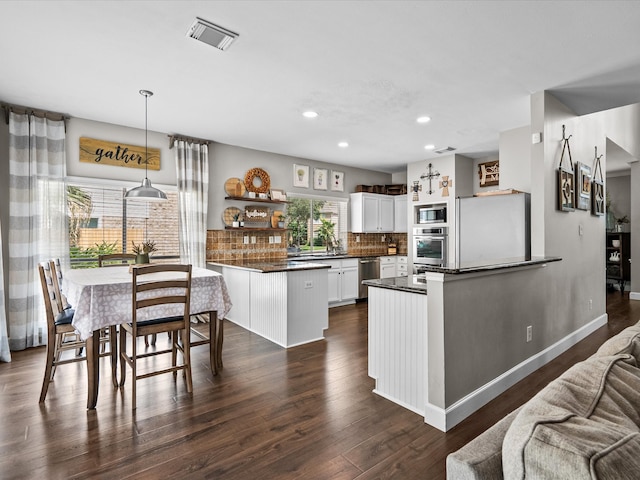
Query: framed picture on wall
337, 181
583, 186
320, 178
301, 176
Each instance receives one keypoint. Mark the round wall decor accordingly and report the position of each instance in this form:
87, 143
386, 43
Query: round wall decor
257, 180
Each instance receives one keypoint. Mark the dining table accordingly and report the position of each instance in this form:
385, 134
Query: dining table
102, 297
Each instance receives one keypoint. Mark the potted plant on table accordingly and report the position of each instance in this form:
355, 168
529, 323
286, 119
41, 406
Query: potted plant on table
143, 250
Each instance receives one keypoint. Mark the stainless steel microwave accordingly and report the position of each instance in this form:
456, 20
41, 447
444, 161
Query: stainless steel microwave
436, 213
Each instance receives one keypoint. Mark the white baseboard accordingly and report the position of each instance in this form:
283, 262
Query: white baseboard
634, 295
445, 419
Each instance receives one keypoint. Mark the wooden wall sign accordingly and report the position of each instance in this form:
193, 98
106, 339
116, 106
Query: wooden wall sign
489, 173
118, 154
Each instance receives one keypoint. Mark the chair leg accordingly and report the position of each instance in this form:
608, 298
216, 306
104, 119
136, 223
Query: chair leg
122, 345
113, 346
174, 353
186, 353
48, 370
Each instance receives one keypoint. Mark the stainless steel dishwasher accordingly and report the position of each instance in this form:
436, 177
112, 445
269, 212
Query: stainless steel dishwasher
368, 268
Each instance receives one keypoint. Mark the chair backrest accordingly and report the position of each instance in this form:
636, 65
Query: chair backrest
116, 259
48, 292
56, 274
162, 284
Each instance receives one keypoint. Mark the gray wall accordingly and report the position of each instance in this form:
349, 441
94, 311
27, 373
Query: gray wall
227, 161
515, 159
619, 190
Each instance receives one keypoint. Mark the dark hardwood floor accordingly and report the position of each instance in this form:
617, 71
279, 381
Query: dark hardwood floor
303, 413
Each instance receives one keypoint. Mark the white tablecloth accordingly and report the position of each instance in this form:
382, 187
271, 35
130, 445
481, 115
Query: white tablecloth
102, 296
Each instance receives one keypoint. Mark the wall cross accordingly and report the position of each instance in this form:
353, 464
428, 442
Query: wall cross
431, 175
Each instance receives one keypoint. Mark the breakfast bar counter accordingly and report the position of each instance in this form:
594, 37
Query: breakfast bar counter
432, 336
283, 301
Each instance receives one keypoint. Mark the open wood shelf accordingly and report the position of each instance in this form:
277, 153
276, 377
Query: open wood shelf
259, 200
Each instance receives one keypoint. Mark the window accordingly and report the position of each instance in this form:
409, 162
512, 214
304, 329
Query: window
101, 221
316, 224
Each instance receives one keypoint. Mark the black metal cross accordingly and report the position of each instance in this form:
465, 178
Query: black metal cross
431, 175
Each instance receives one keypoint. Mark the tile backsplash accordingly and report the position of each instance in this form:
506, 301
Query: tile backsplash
229, 245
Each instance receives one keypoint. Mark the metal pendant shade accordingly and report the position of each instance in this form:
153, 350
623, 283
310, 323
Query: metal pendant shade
145, 191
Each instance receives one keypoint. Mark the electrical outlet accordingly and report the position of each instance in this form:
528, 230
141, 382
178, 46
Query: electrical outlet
529, 333
245, 240
382, 239
308, 284
590, 304
357, 238
253, 239
277, 239
270, 239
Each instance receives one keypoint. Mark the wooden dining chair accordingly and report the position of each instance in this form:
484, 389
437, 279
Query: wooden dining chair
166, 288
58, 326
108, 335
116, 259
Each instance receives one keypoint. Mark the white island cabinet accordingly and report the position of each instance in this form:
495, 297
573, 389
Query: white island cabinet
284, 302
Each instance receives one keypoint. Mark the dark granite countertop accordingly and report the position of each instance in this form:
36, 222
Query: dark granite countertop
485, 266
417, 283
270, 267
411, 283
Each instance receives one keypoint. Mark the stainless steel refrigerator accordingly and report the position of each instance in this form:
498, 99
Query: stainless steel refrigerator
493, 229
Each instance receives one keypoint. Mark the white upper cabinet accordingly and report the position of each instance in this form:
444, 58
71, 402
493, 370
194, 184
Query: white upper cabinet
400, 214
372, 213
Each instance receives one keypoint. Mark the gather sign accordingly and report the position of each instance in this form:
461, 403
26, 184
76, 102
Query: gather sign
119, 154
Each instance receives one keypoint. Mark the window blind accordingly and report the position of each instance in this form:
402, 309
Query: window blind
101, 221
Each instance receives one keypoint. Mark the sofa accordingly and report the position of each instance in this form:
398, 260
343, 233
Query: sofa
584, 425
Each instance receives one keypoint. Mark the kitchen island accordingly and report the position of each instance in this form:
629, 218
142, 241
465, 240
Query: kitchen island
282, 301
446, 342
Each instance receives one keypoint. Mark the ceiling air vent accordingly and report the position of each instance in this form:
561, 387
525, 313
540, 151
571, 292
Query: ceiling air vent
211, 34
445, 149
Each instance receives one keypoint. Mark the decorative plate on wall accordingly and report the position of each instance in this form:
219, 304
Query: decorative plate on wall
234, 187
227, 215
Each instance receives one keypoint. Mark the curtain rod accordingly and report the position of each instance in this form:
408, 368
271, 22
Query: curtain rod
174, 138
33, 111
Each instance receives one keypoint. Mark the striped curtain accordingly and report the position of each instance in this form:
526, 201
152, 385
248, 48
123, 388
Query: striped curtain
5, 354
192, 172
37, 220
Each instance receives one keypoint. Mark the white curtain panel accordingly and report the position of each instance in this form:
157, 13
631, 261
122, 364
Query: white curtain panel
5, 354
192, 169
37, 220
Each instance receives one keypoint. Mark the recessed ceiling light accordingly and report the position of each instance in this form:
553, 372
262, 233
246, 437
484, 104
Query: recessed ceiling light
423, 119
310, 114
429, 147
343, 144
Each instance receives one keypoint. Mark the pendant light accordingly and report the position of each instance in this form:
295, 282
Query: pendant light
145, 191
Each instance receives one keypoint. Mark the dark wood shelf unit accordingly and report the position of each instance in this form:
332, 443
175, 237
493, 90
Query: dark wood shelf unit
618, 271
256, 229
258, 200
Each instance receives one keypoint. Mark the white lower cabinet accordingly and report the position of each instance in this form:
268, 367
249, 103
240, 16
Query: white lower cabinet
387, 267
343, 281
393, 266
401, 266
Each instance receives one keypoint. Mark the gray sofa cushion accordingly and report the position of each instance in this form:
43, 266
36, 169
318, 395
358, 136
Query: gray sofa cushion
627, 341
481, 458
585, 424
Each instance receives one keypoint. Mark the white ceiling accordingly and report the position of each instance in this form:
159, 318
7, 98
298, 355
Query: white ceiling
369, 68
